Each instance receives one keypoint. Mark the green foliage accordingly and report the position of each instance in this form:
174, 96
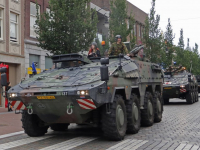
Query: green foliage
152, 36
169, 45
119, 20
181, 40
69, 27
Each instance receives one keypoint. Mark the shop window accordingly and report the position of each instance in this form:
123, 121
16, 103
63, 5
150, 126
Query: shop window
48, 63
34, 58
13, 27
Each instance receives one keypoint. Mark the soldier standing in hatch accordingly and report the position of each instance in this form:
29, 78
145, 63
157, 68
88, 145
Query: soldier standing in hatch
118, 47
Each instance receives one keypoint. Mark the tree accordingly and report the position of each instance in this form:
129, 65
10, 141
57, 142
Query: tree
181, 40
188, 45
169, 38
195, 49
120, 22
153, 36
69, 27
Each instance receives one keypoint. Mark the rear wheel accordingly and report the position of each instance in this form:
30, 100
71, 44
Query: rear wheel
147, 114
189, 97
133, 114
31, 125
197, 93
114, 124
59, 126
158, 110
166, 101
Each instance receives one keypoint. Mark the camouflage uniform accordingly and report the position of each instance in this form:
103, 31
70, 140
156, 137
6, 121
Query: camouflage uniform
117, 49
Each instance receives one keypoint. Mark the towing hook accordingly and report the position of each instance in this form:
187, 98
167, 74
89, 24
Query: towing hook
30, 111
69, 109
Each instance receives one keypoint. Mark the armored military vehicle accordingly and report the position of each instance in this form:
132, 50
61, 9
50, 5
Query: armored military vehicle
198, 80
179, 83
116, 93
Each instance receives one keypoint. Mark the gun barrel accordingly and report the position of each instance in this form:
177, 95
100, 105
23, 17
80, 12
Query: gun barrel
137, 49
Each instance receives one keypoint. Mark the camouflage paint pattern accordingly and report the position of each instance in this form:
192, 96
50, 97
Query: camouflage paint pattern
51, 93
117, 49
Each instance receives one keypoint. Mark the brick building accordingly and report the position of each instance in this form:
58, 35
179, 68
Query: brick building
12, 39
139, 15
32, 52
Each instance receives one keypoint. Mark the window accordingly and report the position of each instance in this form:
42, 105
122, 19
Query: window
13, 27
34, 58
1, 23
139, 30
127, 24
33, 18
135, 31
48, 63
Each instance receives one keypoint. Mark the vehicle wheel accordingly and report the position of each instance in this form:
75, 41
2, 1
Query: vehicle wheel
114, 124
133, 114
166, 101
189, 97
31, 125
197, 93
147, 114
158, 110
59, 126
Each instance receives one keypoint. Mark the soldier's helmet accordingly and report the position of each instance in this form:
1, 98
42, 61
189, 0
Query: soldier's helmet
95, 44
118, 37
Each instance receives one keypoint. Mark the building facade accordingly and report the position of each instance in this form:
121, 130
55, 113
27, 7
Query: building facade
32, 52
12, 39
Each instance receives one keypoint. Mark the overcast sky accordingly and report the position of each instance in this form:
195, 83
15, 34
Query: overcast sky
183, 14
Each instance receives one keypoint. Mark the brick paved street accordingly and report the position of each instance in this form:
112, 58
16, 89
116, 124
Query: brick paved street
180, 129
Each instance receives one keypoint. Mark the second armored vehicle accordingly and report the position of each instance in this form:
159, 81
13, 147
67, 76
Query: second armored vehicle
116, 93
179, 83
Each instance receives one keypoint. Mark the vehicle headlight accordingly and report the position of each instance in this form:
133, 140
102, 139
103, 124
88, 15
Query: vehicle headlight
12, 95
182, 86
83, 92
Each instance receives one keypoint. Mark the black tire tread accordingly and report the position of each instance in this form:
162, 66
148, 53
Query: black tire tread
130, 126
145, 121
157, 116
30, 125
109, 125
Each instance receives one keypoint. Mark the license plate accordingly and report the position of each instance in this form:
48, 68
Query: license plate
167, 88
45, 97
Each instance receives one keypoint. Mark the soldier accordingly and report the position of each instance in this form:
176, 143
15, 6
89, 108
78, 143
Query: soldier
118, 47
94, 51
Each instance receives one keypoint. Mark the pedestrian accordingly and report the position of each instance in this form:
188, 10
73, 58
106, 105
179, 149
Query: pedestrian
94, 51
118, 47
9, 103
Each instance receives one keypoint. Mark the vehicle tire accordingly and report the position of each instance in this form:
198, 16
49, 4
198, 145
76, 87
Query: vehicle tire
189, 97
114, 124
197, 93
31, 125
147, 114
158, 107
166, 101
59, 126
133, 114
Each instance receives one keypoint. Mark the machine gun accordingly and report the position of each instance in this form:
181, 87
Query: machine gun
135, 51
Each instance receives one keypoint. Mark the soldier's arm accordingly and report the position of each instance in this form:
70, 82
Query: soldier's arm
110, 50
125, 49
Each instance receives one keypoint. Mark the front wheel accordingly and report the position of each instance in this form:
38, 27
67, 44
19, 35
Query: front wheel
133, 114
31, 125
114, 123
189, 97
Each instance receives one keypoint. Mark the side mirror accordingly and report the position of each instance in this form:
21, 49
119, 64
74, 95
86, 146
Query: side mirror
4, 80
189, 78
104, 61
104, 69
3, 70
